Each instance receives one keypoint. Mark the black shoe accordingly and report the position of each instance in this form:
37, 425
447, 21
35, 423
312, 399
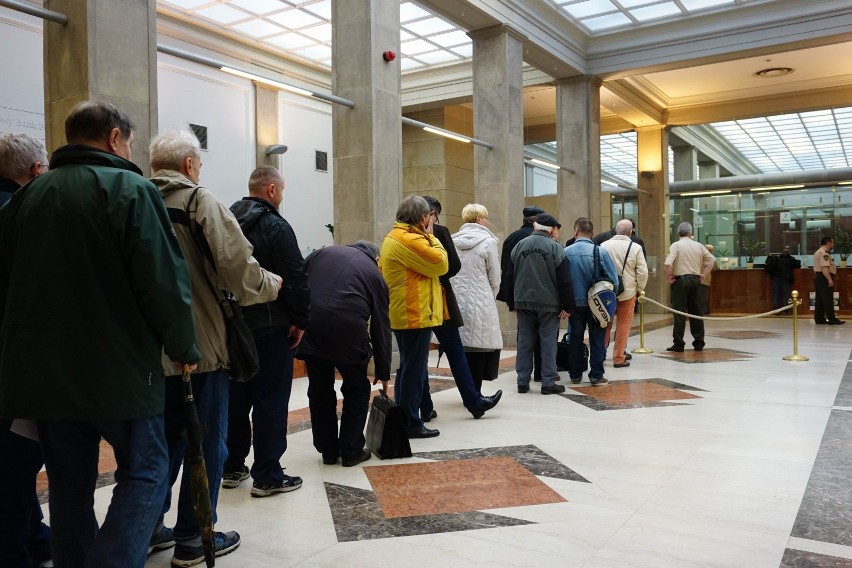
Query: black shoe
329, 459
554, 389
487, 403
620, 365
699, 348
421, 432
836, 322
362, 457
577, 380
627, 356
821, 322
523, 388
432, 416
675, 348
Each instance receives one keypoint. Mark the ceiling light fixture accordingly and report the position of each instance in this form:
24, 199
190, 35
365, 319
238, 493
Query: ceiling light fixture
773, 72
533, 159
446, 133
774, 187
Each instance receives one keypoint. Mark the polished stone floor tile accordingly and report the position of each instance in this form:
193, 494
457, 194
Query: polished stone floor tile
358, 516
456, 486
745, 334
531, 457
709, 355
801, 559
620, 395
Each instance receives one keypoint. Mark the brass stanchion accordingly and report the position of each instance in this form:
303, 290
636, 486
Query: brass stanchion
642, 350
795, 356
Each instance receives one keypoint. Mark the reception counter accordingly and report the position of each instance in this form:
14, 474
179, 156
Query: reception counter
749, 291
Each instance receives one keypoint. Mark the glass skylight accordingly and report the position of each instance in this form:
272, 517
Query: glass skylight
793, 142
302, 29
618, 157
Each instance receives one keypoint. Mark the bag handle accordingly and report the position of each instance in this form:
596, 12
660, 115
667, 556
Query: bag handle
626, 256
203, 248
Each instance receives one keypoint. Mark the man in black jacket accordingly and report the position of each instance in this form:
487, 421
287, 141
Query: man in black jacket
530, 214
349, 325
277, 328
448, 333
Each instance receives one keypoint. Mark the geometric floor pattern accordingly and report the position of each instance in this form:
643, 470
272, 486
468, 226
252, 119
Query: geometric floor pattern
745, 334
642, 393
708, 355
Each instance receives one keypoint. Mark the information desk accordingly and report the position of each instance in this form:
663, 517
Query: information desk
749, 291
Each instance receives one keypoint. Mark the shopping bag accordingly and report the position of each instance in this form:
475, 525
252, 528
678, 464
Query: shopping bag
386, 425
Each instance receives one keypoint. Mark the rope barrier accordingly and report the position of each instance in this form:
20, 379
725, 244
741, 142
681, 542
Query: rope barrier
795, 302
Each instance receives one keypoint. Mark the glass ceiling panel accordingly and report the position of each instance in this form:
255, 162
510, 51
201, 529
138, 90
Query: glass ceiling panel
590, 8
302, 28
618, 156
655, 11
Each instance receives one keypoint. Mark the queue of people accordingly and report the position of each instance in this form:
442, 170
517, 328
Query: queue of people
153, 258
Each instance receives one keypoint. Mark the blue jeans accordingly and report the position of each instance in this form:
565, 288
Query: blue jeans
266, 397
71, 450
323, 403
450, 340
543, 325
581, 318
211, 402
412, 377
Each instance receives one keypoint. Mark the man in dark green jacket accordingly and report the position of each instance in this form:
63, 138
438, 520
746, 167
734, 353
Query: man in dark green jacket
93, 288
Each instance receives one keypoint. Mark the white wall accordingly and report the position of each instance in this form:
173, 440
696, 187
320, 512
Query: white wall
192, 93
305, 127
22, 86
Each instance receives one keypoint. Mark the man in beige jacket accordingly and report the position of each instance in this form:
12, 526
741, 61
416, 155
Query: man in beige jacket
631, 266
227, 264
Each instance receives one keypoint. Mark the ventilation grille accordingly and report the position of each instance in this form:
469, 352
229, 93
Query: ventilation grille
200, 133
322, 161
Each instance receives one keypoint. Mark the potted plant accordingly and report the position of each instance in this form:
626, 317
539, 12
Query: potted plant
842, 244
752, 247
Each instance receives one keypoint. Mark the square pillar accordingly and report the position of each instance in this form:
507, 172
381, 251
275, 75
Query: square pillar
107, 51
266, 125
685, 163
367, 138
578, 144
708, 170
653, 223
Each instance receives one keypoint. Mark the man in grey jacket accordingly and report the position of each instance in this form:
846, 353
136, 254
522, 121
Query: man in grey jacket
226, 264
540, 291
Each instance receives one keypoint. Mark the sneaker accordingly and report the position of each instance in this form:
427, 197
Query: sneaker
576, 380
232, 480
186, 555
600, 382
553, 389
161, 540
287, 484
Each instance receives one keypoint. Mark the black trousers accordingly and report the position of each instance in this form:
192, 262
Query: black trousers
688, 297
323, 404
824, 300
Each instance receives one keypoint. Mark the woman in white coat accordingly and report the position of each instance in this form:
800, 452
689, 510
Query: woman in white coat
476, 286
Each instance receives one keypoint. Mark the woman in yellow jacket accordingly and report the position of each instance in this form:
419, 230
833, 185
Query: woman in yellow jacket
411, 261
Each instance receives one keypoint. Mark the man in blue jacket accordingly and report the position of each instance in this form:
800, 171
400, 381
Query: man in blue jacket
581, 264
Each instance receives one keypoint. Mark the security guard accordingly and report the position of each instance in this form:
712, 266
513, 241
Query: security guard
824, 272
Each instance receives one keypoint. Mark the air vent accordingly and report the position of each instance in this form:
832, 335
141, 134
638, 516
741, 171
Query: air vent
322, 161
200, 133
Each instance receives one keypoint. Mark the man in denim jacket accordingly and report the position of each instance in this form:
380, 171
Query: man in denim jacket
581, 264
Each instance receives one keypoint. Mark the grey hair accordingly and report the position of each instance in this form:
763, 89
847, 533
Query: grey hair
538, 227
172, 147
367, 246
684, 229
18, 152
412, 209
623, 227
261, 177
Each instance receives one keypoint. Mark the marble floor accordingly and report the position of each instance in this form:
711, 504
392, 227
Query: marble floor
730, 457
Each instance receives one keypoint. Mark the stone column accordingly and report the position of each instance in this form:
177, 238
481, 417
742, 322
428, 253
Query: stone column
685, 163
498, 118
266, 125
367, 138
107, 51
653, 223
708, 170
578, 144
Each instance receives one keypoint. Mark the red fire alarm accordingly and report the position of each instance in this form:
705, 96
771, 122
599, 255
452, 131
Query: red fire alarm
389, 56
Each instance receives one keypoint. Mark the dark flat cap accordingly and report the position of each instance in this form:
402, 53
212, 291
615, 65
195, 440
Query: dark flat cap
532, 211
547, 220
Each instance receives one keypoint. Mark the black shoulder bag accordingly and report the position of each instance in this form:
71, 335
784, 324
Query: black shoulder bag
242, 352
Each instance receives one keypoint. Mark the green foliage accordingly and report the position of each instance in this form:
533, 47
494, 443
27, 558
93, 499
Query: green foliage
842, 242
752, 247
330, 228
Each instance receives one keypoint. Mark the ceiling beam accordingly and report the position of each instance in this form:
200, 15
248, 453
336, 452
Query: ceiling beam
717, 148
632, 105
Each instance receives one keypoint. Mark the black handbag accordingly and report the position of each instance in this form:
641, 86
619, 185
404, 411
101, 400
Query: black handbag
386, 425
562, 351
242, 351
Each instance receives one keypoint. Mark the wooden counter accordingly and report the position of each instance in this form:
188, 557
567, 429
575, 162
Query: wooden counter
749, 291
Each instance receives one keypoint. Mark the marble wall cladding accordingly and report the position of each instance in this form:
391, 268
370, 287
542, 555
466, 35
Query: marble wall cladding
456, 486
709, 355
801, 559
529, 456
825, 514
621, 395
357, 516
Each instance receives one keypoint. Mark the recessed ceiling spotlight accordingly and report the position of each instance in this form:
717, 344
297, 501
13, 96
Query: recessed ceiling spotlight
772, 72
